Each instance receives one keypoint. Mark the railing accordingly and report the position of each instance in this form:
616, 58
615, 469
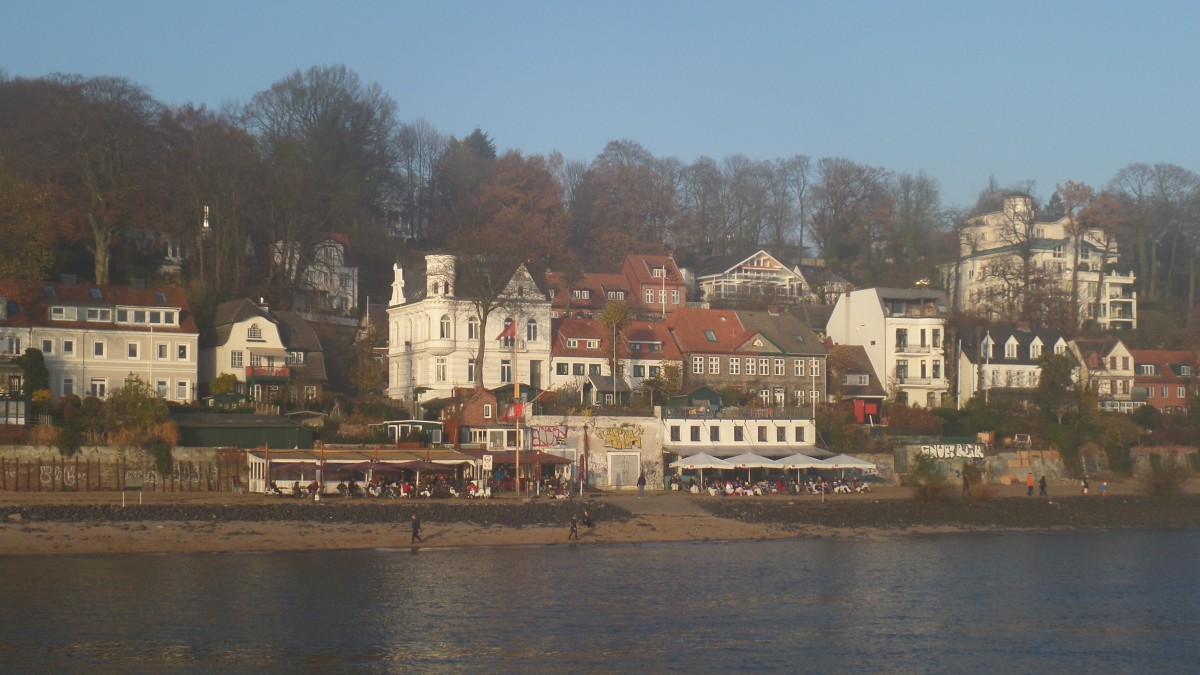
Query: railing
741, 412
917, 381
261, 371
915, 349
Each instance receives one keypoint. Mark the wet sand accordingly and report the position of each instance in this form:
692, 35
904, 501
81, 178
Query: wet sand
96, 523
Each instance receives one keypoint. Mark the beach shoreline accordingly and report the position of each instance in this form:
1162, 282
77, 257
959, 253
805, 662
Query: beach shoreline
94, 523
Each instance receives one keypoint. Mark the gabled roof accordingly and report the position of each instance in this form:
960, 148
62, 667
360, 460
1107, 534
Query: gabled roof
647, 332
580, 329
691, 329
727, 264
816, 317
598, 283
860, 365
784, 330
1167, 363
643, 265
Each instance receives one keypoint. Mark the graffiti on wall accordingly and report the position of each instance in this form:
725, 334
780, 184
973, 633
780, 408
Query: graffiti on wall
63, 475
548, 435
952, 451
625, 437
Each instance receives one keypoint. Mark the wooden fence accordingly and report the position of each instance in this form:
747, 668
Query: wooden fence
61, 474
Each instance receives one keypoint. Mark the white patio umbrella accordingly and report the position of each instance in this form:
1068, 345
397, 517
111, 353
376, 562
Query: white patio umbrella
847, 462
800, 461
701, 461
750, 460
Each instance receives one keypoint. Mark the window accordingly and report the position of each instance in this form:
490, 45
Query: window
487, 411
473, 328
709, 335
714, 434
47, 346
531, 330
181, 390
444, 327
1010, 350
131, 350
739, 434
572, 343
581, 294
714, 365
937, 338
470, 370
799, 437
562, 369
294, 358
68, 386
181, 352
169, 318
697, 365
764, 397
94, 314
155, 316
1035, 351
68, 348
506, 373
253, 333
662, 297
1112, 363
901, 338
675, 433
656, 272
235, 359
815, 366
593, 369
653, 371
798, 368
750, 366
780, 368
98, 349
937, 370
577, 369
815, 395
98, 387
764, 366
639, 371
1180, 393
1164, 390
162, 351
439, 369
735, 366
762, 434
674, 297
649, 296
695, 434
781, 434
1185, 370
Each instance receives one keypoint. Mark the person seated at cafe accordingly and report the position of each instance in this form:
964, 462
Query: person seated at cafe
314, 487
355, 492
341, 488
273, 489
296, 491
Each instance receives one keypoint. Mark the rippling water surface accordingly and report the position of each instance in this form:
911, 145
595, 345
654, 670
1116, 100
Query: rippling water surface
1121, 601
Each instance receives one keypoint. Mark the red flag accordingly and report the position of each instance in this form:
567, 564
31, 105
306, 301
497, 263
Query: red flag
509, 331
513, 412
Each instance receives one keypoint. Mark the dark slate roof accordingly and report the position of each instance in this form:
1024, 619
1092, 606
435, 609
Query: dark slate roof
861, 366
785, 330
816, 317
1001, 336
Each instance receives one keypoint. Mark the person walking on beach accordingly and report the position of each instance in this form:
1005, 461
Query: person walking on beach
416, 529
1085, 486
641, 485
1029, 483
574, 534
1042, 488
1103, 488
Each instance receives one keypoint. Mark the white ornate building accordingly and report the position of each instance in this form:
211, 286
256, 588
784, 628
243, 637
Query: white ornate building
993, 244
434, 333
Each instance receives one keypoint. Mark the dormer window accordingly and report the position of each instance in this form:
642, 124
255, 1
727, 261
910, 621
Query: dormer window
657, 272
254, 333
1010, 350
1185, 371
581, 294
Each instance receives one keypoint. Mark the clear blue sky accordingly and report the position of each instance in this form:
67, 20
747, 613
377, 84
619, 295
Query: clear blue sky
1049, 91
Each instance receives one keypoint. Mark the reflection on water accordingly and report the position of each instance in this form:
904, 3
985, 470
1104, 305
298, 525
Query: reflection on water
1118, 600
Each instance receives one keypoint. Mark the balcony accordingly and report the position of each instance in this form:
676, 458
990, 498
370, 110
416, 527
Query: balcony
262, 372
916, 349
440, 347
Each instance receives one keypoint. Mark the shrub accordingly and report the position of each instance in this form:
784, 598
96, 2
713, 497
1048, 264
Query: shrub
1165, 478
160, 450
927, 479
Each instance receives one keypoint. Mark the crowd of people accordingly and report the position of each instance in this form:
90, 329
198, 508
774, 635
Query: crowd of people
726, 487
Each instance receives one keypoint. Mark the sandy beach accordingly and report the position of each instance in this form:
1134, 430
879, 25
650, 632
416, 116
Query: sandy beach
96, 523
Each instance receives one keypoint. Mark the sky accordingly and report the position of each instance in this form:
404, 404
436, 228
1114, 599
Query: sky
963, 91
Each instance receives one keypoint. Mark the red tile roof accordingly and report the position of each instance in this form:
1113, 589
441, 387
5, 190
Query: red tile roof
33, 301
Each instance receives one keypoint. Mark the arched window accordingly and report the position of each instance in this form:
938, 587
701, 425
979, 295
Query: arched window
473, 328
255, 333
444, 327
531, 330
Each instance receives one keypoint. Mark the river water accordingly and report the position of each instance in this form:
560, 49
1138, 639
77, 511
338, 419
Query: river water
1119, 601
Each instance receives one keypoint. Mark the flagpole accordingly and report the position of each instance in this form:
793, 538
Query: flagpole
516, 399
